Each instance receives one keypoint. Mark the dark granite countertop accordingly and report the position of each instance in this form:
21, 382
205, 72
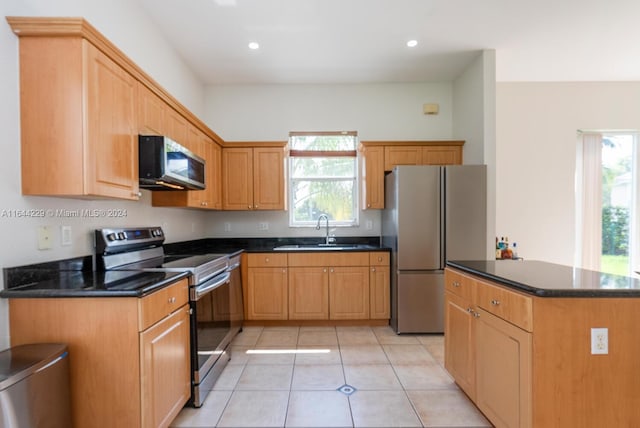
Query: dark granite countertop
550, 280
76, 278
30, 283
265, 245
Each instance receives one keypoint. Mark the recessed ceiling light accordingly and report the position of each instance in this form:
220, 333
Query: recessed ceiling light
254, 46
412, 43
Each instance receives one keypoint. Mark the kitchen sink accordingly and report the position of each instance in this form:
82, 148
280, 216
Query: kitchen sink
325, 247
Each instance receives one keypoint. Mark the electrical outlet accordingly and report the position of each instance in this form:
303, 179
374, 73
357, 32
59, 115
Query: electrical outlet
599, 341
263, 225
65, 235
227, 227
369, 225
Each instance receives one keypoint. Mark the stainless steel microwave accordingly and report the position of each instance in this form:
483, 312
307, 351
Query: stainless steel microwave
166, 165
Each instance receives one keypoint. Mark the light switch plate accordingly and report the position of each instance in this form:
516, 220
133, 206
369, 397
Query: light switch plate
45, 241
65, 235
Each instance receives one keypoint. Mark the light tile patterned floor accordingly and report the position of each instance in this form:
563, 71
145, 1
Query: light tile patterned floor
399, 381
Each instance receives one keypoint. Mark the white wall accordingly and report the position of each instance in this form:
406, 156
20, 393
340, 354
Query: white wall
376, 111
269, 112
125, 25
474, 121
536, 150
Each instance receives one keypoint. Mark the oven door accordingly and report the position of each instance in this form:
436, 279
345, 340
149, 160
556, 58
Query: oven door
210, 333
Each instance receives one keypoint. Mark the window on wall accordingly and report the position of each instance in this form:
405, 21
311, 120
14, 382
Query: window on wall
323, 178
607, 202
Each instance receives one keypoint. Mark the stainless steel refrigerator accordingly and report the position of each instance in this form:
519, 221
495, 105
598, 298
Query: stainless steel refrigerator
432, 214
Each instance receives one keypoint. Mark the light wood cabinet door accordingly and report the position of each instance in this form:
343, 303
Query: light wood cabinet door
237, 179
503, 378
165, 369
441, 155
459, 336
401, 155
150, 112
253, 178
267, 293
348, 293
372, 161
425, 154
111, 165
177, 127
380, 292
268, 178
214, 175
308, 293
78, 121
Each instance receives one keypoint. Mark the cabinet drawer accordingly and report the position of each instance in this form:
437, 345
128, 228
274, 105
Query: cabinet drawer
378, 259
329, 259
158, 305
506, 304
267, 259
459, 284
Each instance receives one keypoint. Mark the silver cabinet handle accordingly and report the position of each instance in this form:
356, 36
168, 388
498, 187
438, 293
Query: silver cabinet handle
172, 299
495, 302
456, 284
476, 314
373, 269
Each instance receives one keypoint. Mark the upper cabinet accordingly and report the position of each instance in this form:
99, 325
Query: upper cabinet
78, 121
378, 157
83, 105
423, 153
253, 176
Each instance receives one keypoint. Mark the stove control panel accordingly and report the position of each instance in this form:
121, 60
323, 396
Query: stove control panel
126, 239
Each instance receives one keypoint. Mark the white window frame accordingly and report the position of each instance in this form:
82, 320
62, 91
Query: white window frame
587, 256
355, 222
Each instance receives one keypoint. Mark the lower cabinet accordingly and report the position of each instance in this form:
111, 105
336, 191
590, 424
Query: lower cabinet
503, 378
379, 286
318, 286
459, 337
163, 348
349, 293
488, 355
130, 360
267, 286
308, 293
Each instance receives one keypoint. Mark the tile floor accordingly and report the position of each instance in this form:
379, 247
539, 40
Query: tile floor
397, 381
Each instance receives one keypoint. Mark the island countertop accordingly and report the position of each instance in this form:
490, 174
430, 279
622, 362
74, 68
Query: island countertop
545, 279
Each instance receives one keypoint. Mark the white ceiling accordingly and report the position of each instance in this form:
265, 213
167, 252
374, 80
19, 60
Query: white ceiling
364, 41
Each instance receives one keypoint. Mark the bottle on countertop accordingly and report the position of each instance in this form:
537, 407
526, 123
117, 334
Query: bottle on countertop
498, 250
515, 250
506, 251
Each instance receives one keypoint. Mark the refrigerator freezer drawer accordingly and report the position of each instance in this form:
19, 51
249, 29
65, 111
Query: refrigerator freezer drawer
420, 302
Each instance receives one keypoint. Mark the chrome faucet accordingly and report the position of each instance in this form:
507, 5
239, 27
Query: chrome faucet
328, 240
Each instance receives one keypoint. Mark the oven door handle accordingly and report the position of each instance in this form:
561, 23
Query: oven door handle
234, 266
210, 285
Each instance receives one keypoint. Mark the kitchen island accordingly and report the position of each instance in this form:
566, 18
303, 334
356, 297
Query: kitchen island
520, 341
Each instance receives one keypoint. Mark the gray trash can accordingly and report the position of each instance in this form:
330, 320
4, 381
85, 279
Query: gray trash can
34, 386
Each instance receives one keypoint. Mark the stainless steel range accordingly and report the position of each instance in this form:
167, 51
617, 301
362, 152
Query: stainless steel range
215, 294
